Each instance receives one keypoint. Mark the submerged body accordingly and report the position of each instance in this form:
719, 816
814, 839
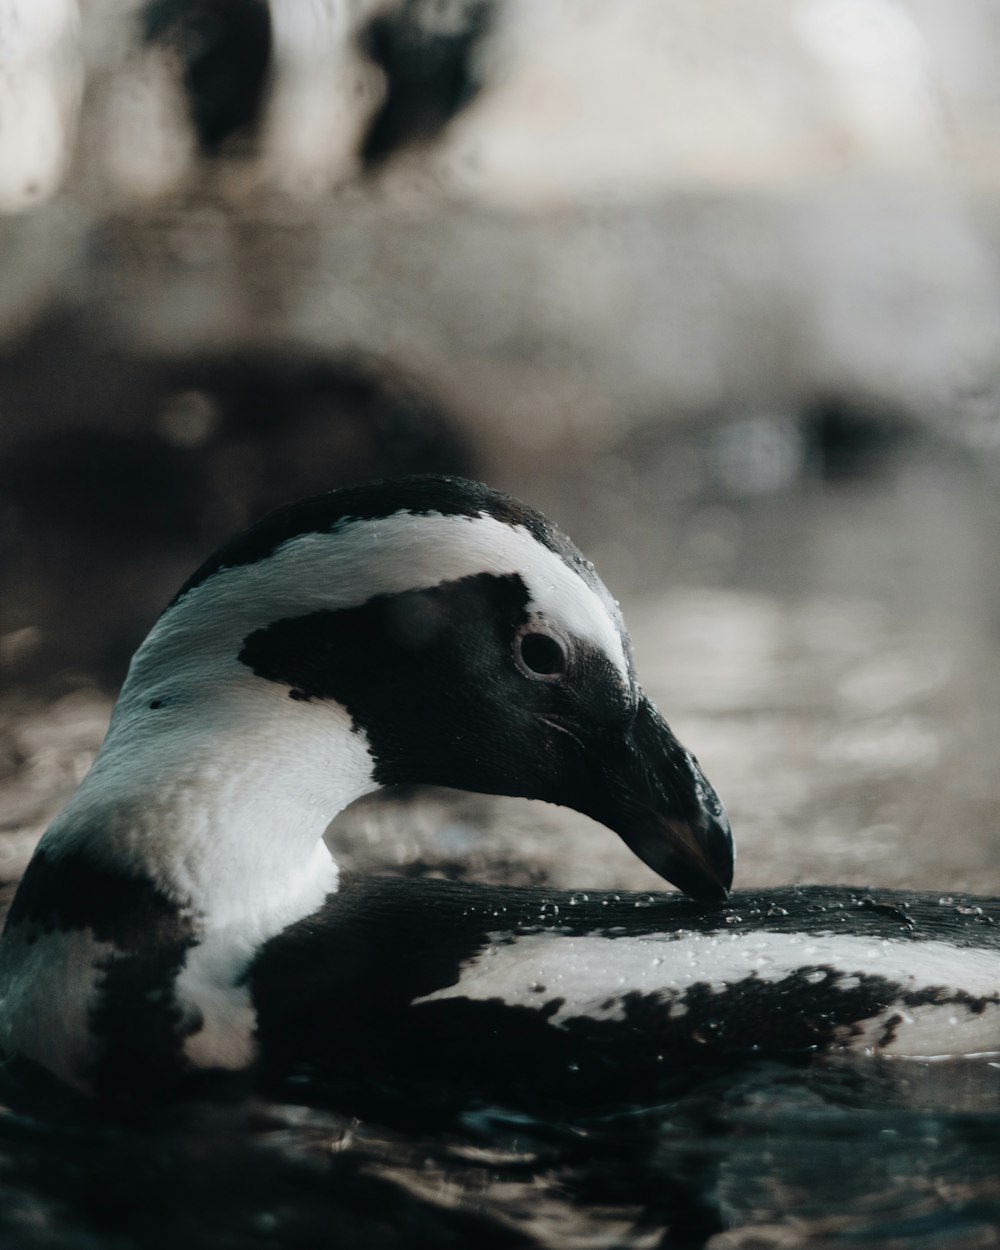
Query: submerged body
183, 912
518, 992
604, 992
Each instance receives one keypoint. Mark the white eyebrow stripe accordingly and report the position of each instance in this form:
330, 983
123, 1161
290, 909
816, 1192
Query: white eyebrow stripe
365, 558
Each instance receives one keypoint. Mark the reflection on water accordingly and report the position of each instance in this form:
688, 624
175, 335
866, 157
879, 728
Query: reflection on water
839, 1154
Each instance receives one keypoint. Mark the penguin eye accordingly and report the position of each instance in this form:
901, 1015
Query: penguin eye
540, 655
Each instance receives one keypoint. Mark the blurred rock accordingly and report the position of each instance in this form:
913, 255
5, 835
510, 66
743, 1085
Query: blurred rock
224, 51
610, 211
118, 474
41, 80
427, 51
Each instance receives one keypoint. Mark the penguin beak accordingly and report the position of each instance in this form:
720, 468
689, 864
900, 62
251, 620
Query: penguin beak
652, 793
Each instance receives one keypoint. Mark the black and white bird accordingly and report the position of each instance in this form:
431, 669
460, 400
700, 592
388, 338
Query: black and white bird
183, 912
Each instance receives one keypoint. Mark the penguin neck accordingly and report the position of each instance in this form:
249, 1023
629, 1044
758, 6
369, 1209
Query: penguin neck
221, 806
194, 839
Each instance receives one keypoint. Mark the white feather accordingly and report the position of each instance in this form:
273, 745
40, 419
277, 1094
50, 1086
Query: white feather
592, 974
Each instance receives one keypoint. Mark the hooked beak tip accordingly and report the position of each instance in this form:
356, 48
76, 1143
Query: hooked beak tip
696, 855
701, 857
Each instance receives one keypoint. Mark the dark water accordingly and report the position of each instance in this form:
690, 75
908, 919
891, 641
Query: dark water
852, 1154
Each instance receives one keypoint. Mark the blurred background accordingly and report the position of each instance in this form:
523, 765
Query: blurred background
717, 287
